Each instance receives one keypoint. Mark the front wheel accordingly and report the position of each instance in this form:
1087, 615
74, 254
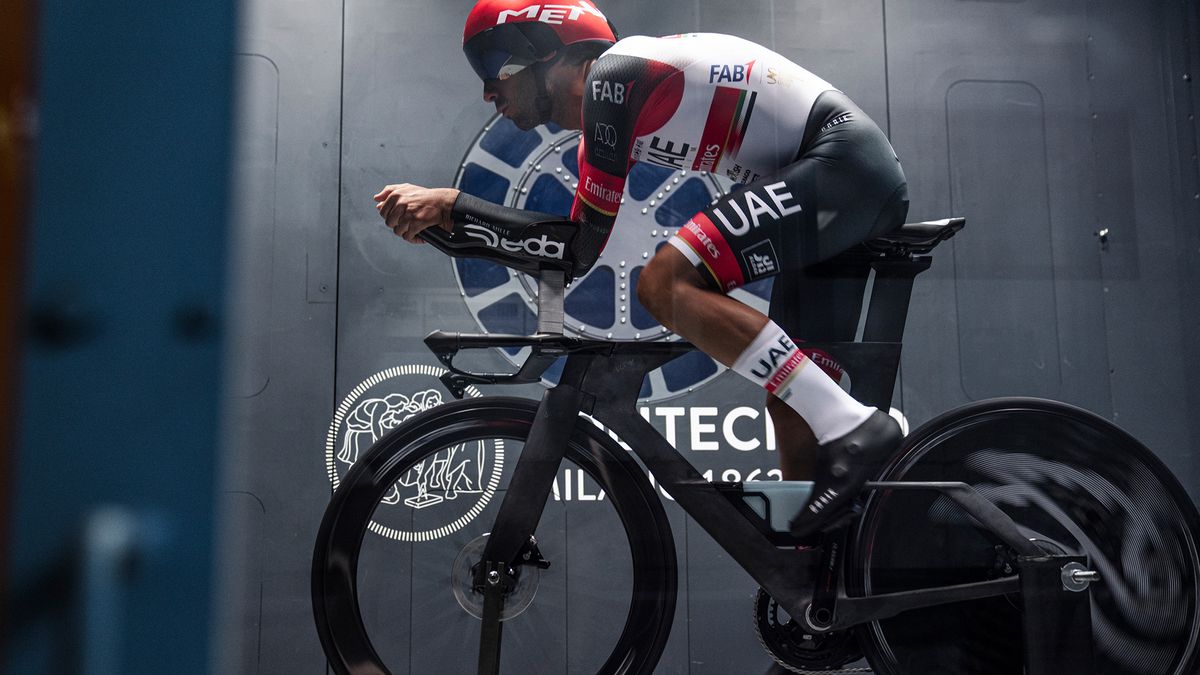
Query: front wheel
1074, 483
391, 575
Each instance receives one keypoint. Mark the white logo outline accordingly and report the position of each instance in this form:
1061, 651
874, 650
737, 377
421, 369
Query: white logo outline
543, 247
446, 474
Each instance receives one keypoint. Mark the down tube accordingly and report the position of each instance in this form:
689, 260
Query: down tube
784, 573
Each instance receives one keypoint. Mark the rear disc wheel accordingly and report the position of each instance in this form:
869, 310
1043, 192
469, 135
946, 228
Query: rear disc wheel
1071, 481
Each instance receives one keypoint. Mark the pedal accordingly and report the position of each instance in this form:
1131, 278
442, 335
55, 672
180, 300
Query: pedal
838, 522
844, 519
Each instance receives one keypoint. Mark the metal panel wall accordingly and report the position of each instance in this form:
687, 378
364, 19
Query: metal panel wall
281, 364
1145, 196
1042, 121
1020, 179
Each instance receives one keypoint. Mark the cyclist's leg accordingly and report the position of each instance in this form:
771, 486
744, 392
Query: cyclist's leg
795, 440
678, 297
744, 339
846, 188
674, 292
819, 303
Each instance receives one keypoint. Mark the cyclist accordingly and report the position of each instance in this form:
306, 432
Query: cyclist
817, 176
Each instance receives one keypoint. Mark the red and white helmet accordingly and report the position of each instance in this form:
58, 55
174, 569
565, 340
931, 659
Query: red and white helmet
502, 37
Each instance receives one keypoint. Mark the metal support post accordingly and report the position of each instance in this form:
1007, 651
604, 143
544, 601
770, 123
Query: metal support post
1058, 614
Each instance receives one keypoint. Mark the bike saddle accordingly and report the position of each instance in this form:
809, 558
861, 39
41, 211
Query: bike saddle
914, 238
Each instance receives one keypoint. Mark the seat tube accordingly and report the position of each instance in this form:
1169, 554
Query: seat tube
891, 292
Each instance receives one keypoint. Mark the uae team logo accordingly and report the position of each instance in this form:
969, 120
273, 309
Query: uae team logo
436, 496
539, 170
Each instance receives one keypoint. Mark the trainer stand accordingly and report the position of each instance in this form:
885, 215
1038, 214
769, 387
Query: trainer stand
1056, 604
1055, 598
1056, 616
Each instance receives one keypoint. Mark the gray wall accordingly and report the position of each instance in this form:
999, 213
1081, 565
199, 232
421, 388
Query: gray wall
1042, 121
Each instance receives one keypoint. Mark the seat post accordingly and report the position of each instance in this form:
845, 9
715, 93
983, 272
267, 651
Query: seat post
551, 285
889, 297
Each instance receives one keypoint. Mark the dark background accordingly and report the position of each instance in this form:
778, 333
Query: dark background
1041, 121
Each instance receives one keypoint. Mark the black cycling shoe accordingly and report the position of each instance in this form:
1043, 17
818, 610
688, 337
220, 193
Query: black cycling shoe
842, 468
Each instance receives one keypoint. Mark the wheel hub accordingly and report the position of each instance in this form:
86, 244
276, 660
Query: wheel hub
462, 582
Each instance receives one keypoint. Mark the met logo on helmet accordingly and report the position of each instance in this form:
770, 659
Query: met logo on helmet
550, 13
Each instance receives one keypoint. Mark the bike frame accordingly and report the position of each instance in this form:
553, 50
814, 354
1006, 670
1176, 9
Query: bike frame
789, 575
603, 379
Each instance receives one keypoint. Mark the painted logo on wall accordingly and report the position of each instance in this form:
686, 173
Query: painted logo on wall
435, 497
538, 170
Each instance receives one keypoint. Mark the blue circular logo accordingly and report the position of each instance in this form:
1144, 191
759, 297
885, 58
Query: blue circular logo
538, 170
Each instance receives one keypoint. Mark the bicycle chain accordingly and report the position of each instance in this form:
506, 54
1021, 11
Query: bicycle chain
787, 666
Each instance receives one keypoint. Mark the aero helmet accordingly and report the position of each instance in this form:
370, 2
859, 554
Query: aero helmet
502, 37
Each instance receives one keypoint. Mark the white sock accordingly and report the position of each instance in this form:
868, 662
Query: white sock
774, 362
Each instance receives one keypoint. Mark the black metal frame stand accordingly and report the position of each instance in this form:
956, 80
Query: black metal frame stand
1054, 589
1057, 617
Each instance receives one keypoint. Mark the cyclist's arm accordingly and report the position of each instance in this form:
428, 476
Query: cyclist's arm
624, 96
471, 209
585, 245
609, 115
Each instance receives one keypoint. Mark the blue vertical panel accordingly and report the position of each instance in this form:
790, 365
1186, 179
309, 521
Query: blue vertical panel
1008, 317
117, 434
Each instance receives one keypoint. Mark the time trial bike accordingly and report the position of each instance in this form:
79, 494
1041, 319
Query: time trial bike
1006, 536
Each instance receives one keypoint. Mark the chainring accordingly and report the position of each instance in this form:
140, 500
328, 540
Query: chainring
799, 651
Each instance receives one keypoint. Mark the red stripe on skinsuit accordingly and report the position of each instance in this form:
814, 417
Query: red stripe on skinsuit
599, 190
706, 240
794, 363
716, 128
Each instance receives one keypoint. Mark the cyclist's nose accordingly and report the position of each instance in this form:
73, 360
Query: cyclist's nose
489, 93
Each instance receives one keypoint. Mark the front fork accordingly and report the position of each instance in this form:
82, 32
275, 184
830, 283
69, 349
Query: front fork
521, 509
495, 581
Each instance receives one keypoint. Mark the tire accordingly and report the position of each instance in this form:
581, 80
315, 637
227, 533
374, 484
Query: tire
1071, 480
387, 578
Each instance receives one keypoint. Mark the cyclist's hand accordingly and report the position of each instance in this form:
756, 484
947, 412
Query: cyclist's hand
407, 209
